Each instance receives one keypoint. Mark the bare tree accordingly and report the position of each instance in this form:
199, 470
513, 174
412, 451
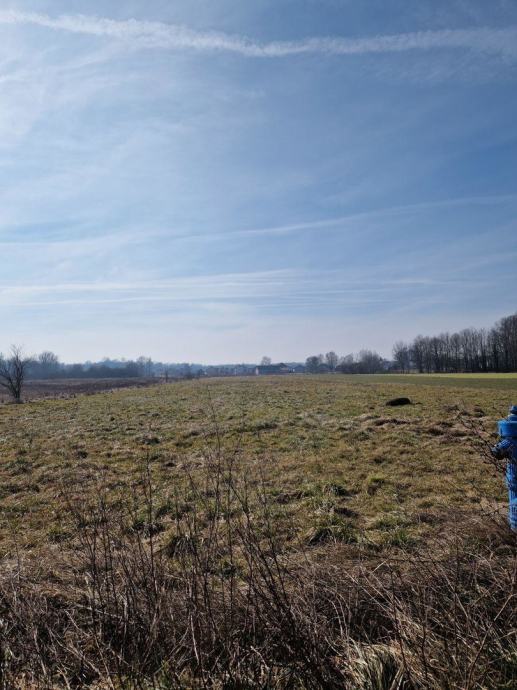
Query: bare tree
186, 371
312, 364
145, 366
331, 360
346, 364
369, 362
402, 356
13, 370
48, 364
266, 361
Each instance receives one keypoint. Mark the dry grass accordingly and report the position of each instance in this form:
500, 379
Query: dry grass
292, 533
224, 604
492, 381
341, 458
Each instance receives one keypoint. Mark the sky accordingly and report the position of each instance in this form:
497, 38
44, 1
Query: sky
217, 180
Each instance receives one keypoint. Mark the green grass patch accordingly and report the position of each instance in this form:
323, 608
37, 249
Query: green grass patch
328, 451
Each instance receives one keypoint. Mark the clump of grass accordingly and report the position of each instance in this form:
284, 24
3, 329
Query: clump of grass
391, 521
337, 489
57, 535
20, 465
333, 530
374, 482
398, 537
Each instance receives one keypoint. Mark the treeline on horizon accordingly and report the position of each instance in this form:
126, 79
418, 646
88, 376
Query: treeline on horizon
468, 351
471, 350
47, 366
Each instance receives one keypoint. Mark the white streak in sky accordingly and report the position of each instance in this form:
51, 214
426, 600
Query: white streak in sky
146, 34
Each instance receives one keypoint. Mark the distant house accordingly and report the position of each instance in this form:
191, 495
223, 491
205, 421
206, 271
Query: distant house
272, 369
243, 370
298, 369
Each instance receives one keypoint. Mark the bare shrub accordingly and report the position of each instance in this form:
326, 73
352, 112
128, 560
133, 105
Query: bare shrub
216, 601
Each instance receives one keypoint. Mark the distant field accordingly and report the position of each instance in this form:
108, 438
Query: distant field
63, 388
69, 388
495, 381
335, 459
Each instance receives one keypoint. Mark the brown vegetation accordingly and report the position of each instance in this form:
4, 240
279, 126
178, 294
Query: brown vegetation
223, 604
255, 534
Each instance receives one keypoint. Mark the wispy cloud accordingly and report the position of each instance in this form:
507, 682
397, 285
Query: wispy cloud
192, 211
351, 218
275, 289
148, 34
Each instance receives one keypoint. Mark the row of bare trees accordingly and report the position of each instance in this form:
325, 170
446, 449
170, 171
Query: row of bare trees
470, 350
365, 362
16, 368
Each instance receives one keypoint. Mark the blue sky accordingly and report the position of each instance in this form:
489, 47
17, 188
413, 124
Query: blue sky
216, 180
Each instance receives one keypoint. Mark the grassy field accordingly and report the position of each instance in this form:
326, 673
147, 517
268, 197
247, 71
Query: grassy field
492, 381
283, 532
335, 459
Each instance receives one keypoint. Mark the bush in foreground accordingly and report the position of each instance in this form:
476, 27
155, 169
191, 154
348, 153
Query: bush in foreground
220, 603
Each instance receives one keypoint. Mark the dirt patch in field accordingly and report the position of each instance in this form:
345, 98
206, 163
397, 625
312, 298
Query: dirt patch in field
69, 388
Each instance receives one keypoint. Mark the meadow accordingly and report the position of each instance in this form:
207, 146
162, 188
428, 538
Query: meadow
328, 448
496, 381
301, 470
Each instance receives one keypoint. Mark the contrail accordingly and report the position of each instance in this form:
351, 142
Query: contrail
144, 34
